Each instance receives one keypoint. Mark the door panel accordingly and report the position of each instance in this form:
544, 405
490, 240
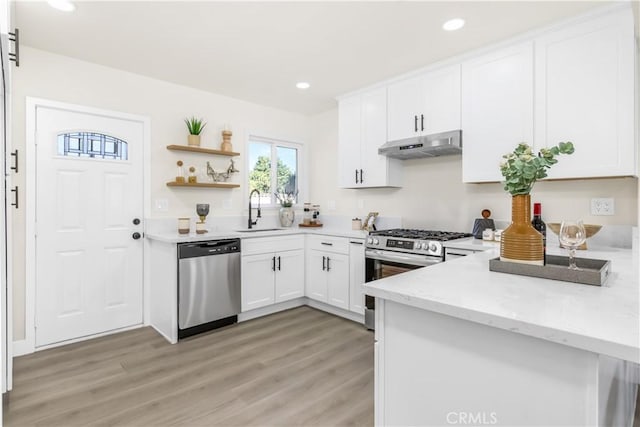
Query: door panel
88, 190
338, 281
290, 275
316, 283
258, 281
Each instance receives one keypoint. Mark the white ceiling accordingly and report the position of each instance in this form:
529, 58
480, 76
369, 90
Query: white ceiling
257, 51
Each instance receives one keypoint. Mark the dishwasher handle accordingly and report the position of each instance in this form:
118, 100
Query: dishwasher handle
208, 248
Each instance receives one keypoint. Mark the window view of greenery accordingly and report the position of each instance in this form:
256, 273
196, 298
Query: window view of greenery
264, 158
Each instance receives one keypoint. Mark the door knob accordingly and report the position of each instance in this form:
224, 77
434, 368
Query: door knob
136, 235
136, 221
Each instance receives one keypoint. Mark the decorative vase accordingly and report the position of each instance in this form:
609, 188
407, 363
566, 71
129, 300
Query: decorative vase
521, 242
194, 140
287, 216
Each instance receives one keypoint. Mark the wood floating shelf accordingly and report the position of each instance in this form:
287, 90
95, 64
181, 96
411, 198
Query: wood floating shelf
201, 150
203, 185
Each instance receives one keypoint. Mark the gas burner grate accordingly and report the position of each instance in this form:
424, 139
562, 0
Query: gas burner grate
408, 233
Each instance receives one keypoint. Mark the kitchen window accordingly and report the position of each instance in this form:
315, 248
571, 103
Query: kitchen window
274, 167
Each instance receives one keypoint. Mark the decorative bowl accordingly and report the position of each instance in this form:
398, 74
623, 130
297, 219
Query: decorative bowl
591, 230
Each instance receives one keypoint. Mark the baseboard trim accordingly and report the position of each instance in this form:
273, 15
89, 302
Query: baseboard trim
358, 318
265, 311
22, 347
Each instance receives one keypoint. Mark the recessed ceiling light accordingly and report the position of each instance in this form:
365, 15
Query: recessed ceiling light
303, 85
453, 24
63, 5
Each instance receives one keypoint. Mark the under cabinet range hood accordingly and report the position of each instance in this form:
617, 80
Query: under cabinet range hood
437, 144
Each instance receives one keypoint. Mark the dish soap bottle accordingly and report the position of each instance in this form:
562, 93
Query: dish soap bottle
539, 225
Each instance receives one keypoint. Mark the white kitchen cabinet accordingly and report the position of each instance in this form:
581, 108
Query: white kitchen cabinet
497, 109
404, 107
327, 270
258, 281
272, 271
289, 274
356, 275
362, 129
424, 105
584, 80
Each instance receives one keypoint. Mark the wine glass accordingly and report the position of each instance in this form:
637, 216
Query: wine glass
572, 234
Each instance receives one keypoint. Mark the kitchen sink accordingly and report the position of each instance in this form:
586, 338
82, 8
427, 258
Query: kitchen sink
255, 230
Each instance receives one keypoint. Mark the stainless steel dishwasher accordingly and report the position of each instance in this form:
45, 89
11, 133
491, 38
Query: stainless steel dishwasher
208, 285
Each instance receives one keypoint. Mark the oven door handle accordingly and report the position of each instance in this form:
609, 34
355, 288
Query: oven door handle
409, 259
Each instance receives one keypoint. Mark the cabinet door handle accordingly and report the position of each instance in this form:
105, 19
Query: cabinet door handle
15, 55
422, 121
278, 263
324, 259
14, 154
356, 176
326, 243
361, 179
273, 263
16, 204
328, 263
415, 123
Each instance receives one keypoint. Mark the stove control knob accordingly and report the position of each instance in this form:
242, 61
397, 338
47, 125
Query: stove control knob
425, 246
369, 240
376, 241
433, 247
416, 245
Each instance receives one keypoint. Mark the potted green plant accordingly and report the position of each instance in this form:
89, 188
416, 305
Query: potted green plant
521, 169
286, 199
195, 127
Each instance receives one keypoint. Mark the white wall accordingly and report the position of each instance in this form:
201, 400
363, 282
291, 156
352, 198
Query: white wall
45, 75
433, 195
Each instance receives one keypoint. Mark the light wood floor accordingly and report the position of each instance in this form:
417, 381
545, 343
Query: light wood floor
298, 367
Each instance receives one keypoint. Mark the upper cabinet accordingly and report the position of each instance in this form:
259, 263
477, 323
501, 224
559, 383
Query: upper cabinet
585, 94
423, 105
581, 89
362, 129
497, 109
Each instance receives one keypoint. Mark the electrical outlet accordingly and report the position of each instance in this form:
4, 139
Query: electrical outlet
604, 206
360, 203
226, 204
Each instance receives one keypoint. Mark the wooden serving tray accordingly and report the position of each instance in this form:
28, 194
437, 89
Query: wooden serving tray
592, 271
310, 225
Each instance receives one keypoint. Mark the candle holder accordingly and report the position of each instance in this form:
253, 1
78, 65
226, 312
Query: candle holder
226, 141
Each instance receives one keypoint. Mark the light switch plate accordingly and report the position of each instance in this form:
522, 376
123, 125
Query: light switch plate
162, 205
602, 206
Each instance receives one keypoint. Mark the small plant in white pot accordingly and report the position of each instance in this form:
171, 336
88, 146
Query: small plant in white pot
195, 127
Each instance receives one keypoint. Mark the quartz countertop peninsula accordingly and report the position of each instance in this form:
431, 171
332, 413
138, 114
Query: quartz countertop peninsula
604, 320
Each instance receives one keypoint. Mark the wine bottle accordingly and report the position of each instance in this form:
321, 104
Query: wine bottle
539, 225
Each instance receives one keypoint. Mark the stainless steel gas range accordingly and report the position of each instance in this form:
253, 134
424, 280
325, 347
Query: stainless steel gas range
391, 252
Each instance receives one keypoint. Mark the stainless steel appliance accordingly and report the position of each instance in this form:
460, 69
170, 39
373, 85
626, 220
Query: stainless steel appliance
208, 285
391, 252
437, 144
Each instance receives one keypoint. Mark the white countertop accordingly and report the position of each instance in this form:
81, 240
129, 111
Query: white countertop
604, 320
174, 237
472, 244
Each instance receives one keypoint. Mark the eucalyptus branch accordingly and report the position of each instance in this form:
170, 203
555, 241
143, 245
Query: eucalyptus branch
522, 168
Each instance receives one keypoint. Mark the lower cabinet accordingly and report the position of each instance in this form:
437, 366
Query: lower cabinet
356, 275
272, 277
327, 270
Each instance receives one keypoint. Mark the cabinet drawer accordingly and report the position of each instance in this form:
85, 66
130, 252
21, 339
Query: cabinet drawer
263, 245
329, 244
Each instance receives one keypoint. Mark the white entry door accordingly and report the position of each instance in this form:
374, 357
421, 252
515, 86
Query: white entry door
89, 192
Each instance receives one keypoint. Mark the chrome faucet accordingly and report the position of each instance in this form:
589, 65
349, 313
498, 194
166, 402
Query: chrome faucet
252, 223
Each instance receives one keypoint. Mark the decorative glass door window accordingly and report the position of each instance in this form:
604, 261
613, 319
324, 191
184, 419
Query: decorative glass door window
92, 145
